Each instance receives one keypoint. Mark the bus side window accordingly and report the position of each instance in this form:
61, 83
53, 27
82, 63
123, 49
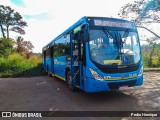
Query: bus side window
67, 45
48, 52
51, 53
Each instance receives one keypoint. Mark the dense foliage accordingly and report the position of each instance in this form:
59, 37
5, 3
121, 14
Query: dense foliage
151, 55
6, 46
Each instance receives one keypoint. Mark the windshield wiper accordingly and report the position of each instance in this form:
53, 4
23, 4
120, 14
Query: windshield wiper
125, 35
107, 32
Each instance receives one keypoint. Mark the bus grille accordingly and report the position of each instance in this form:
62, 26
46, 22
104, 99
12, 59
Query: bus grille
118, 84
119, 70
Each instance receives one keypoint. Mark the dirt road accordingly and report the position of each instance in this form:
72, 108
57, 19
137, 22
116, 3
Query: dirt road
50, 94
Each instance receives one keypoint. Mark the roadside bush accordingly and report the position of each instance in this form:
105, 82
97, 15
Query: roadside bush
16, 65
153, 64
145, 61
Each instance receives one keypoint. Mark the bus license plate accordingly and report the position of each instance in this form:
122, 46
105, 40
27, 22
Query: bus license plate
123, 87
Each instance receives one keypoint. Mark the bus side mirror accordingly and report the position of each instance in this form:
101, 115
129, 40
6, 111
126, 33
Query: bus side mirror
73, 37
86, 35
85, 29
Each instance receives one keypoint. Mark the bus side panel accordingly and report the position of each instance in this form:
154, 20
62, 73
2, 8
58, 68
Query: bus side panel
86, 69
48, 64
140, 79
60, 66
44, 64
83, 78
52, 65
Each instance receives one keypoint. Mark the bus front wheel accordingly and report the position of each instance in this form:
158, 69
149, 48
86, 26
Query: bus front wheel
69, 81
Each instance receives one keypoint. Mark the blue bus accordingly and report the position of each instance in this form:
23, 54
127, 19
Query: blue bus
96, 54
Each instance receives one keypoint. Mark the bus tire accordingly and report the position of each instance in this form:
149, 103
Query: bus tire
48, 73
69, 81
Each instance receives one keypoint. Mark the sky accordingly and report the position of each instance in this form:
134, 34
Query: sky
47, 19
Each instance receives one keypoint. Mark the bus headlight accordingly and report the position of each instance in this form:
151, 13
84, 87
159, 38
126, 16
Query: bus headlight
95, 74
141, 71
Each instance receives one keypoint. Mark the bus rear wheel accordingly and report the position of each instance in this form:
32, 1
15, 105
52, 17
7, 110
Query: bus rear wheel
48, 73
69, 81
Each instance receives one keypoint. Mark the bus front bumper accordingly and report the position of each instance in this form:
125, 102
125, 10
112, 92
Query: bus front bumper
93, 85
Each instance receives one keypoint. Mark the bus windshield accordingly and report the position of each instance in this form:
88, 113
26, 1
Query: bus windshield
114, 47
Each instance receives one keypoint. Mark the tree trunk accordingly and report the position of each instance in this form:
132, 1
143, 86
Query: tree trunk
7, 31
2, 31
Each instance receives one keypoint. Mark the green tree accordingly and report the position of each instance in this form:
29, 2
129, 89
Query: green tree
10, 21
6, 46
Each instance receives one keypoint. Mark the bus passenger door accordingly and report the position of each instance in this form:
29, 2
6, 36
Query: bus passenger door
77, 47
75, 59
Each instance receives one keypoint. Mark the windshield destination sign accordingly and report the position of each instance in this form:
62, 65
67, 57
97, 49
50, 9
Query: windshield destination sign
111, 24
